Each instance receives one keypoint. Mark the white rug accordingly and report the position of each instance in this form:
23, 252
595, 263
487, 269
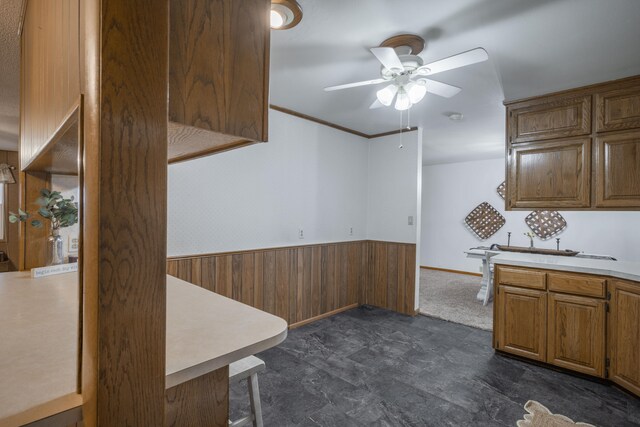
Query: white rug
452, 297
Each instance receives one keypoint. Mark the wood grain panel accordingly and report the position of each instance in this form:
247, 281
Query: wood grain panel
521, 322
50, 79
623, 339
521, 277
201, 402
34, 252
575, 333
617, 167
618, 109
303, 283
125, 61
557, 172
550, 118
218, 76
577, 284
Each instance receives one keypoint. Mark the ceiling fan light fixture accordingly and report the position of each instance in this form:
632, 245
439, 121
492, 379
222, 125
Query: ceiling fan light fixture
403, 102
386, 95
285, 14
416, 91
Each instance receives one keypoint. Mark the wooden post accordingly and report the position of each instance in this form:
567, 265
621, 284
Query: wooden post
124, 74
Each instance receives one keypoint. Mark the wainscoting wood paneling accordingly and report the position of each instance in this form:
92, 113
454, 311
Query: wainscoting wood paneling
303, 283
391, 283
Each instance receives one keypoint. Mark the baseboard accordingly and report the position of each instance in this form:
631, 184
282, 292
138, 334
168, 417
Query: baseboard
322, 316
451, 271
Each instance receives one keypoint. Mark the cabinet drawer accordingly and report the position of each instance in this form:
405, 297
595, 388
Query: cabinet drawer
554, 117
577, 284
521, 277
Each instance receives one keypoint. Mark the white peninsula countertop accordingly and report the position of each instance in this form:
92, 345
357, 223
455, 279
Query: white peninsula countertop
620, 269
39, 340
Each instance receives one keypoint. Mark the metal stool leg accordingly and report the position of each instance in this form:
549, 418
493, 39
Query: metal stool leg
254, 398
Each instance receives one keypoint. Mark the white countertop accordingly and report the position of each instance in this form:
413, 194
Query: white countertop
206, 331
39, 340
620, 269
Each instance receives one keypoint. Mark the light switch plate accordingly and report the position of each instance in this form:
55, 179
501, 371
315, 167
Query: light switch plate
410, 221
74, 244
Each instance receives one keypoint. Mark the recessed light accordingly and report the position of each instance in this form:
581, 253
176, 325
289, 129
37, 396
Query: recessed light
456, 117
285, 14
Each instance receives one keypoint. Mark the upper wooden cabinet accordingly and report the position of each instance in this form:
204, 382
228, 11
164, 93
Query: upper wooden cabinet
618, 170
552, 162
50, 80
618, 109
218, 75
550, 171
550, 119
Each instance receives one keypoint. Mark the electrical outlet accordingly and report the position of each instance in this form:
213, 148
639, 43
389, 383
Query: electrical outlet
300, 233
350, 231
410, 221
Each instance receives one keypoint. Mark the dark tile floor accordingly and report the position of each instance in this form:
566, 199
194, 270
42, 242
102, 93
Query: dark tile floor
371, 367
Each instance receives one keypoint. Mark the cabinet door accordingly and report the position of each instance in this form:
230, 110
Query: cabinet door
618, 109
550, 118
624, 335
550, 174
618, 170
575, 336
521, 322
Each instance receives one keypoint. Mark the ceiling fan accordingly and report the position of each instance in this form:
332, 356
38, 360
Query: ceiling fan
407, 73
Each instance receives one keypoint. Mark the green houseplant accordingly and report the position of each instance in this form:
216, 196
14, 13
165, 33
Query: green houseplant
60, 211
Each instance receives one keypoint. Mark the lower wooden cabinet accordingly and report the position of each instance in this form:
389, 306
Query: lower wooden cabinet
623, 342
576, 333
582, 322
521, 321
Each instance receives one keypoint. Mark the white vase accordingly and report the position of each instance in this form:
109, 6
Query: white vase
55, 243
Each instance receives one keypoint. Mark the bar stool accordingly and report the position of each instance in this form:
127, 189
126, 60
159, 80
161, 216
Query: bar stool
248, 369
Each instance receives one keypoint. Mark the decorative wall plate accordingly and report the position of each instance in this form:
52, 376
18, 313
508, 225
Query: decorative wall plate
502, 189
546, 224
484, 220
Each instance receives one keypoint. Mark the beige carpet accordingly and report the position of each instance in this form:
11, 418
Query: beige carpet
452, 297
539, 416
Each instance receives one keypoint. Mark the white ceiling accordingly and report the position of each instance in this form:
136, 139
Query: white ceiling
535, 47
9, 73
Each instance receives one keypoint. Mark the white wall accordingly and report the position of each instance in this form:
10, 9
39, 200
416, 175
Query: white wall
68, 186
308, 176
451, 191
393, 188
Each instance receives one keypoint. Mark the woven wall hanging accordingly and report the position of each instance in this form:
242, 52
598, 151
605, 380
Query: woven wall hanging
484, 220
546, 224
502, 189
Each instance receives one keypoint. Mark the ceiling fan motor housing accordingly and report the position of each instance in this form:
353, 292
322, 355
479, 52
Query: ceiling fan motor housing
409, 62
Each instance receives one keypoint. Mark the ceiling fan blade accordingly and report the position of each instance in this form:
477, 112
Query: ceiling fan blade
376, 104
456, 61
388, 57
441, 89
356, 84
